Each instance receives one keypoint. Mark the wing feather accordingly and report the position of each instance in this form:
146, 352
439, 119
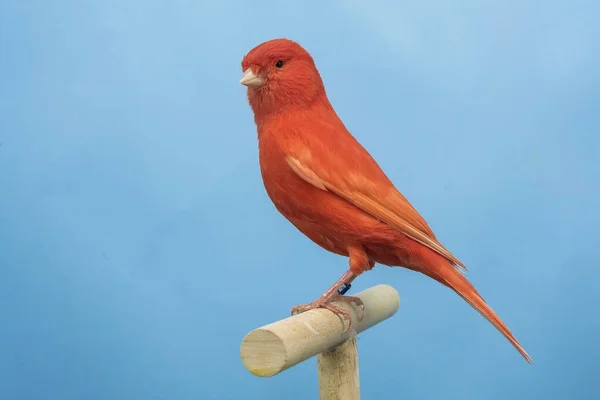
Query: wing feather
391, 208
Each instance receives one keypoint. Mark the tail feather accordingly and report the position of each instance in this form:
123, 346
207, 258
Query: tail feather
449, 276
478, 303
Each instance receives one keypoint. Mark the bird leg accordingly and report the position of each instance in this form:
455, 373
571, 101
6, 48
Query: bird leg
335, 293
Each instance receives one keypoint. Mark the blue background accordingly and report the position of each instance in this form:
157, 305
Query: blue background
138, 246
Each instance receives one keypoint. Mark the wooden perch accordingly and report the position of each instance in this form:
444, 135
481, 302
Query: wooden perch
275, 347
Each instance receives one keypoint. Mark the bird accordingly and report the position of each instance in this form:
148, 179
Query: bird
327, 185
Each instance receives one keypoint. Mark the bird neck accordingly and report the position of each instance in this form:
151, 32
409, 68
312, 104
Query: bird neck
266, 114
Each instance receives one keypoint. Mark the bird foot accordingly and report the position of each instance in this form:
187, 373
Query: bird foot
326, 303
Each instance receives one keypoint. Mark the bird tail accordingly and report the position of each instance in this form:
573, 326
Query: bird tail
449, 276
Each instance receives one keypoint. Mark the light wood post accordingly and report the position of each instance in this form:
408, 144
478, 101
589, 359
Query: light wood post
338, 372
273, 348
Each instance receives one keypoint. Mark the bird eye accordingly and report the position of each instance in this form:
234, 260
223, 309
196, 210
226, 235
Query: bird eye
279, 64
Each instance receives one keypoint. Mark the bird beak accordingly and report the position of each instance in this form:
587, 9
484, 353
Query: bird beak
252, 80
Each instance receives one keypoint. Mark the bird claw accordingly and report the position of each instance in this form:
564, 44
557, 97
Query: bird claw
341, 312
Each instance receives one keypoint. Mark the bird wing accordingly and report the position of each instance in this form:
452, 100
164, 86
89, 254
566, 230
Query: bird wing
359, 180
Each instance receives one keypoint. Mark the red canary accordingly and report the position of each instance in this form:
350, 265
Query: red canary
330, 188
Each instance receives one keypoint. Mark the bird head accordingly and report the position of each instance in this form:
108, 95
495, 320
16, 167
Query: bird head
280, 75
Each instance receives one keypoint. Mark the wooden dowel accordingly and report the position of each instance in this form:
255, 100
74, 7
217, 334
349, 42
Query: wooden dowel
275, 347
